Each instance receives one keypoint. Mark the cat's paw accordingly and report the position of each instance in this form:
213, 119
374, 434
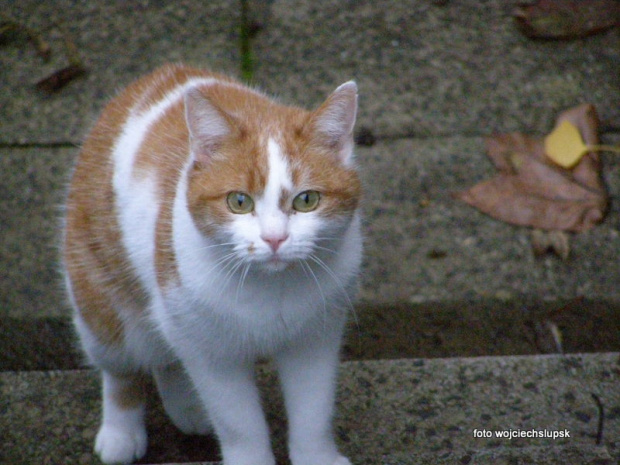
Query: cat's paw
116, 445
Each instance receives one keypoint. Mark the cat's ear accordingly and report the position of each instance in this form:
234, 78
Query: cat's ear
333, 122
208, 125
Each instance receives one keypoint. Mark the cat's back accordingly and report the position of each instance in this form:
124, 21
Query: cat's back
140, 126
145, 115
126, 169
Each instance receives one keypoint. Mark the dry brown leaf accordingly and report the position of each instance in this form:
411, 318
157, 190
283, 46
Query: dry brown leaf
60, 78
566, 19
532, 191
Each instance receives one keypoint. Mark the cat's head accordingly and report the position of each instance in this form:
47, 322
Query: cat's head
275, 184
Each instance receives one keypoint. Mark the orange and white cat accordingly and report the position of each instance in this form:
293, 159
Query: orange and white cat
208, 226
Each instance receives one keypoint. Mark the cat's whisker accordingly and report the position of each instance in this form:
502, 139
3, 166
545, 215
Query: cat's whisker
230, 269
320, 289
327, 238
241, 281
212, 246
327, 249
224, 266
350, 305
224, 260
302, 264
338, 282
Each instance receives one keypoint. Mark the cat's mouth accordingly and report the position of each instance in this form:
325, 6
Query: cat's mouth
275, 263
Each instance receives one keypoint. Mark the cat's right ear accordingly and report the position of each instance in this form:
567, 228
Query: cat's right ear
207, 125
333, 121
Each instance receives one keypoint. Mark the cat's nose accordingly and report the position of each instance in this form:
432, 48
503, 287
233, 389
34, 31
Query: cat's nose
275, 241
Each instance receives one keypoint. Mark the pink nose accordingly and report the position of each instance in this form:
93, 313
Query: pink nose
275, 241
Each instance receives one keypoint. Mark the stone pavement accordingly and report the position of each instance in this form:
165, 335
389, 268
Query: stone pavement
435, 78
390, 412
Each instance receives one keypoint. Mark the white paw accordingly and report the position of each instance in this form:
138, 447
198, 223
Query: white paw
117, 445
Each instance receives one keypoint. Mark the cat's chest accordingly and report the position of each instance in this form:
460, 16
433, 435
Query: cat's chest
246, 318
258, 300
248, 292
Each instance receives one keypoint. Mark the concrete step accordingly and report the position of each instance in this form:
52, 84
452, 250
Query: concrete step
434, 68
548, 455
423, 245
405, 410
424, 68
379, 332
117, 43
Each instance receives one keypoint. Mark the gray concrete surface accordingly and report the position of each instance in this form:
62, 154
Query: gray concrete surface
117, 41
440, 279
392, 412
429, 68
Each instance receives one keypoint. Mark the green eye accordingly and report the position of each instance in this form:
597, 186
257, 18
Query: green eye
307, 201
240, 203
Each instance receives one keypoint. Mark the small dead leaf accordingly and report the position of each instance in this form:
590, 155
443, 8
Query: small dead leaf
530, 190
60, 78
12, 30
64, 76
540, 337
566, 19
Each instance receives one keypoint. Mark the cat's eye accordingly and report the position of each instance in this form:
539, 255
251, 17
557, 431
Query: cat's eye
307, 201
240, 203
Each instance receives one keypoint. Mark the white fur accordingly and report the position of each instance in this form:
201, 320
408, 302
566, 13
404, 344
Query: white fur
272, 222
290, 305
137, 206
122, 436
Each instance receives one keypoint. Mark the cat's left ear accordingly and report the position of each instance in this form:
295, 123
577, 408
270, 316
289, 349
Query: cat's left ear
208, 125
333, 122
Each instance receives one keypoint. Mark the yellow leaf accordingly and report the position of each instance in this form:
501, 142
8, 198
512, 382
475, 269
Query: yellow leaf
565, 146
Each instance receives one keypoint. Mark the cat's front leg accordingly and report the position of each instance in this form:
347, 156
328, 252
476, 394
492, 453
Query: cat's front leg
181, 400
232, 400
308, 377
122, 435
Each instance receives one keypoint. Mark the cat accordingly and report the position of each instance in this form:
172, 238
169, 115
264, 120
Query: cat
208, 226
